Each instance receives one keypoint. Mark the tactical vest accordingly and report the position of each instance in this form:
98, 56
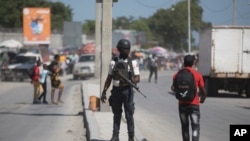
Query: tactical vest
123, 68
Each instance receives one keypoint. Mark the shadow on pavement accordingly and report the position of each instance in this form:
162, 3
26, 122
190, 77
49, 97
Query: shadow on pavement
220, 95
244, 107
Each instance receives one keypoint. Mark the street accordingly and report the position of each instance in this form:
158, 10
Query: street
156, 116
21, 120
158, 119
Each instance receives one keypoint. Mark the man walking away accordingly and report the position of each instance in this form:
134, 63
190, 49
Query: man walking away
189, 110
43, 81
153, 67
122, 93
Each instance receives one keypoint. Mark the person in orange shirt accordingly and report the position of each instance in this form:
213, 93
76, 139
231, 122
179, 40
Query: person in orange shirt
35, 81
62, 58
62, 64
189, 110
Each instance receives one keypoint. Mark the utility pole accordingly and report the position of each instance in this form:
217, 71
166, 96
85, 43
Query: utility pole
106, 45
234, 12
189, 27
98, 38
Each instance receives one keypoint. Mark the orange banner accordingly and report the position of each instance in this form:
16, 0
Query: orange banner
36, 26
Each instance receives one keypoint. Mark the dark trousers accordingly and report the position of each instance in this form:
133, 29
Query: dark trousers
122, 96
153, 70
192, 113
43, 95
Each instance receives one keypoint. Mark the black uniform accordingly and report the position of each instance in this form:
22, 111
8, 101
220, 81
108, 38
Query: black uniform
123, 95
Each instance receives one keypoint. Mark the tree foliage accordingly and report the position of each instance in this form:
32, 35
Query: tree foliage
122, 22
167, 26
130, 23
11, 12
60, 13
170, 26
89, 27
141, 26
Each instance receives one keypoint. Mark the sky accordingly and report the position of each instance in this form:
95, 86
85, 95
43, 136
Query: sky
218, 12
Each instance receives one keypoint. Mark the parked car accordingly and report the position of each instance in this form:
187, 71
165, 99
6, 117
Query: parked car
84, 67
20, 68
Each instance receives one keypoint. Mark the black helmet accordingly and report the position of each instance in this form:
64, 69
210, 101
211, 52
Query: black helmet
123, 44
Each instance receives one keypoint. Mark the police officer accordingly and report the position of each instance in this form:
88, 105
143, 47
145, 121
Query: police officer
122, 93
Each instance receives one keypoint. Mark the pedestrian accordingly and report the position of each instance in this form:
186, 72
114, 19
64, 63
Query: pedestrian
43, 81
5, 60
122, 93
56, 61
189, 111
54, 69
35, 81
153, 67
56, 84
75, 57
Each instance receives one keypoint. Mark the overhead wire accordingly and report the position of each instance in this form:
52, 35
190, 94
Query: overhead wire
154, 7
229, 5
240, 17
244, 17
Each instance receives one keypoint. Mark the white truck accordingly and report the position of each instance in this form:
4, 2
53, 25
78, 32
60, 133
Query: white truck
224, 59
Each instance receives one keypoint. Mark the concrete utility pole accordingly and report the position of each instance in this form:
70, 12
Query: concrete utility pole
234, 12
98, 38
106, 45
189, 27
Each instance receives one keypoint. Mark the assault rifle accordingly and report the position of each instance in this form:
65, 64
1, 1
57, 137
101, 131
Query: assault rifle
129, 82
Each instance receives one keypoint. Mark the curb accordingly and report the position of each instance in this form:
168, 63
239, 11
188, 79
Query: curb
90, 123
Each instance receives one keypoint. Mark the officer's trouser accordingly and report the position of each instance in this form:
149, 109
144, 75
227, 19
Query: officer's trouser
118, 97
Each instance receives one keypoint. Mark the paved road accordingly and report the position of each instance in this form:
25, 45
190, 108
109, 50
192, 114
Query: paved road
23, 121
157, 116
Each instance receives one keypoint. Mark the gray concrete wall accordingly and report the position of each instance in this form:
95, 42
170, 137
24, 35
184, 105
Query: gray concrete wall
56, 39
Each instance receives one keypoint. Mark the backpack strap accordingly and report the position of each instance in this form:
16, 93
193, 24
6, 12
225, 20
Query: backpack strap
185, 69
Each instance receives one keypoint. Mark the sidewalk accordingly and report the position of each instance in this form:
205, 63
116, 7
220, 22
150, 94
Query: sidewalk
99, 125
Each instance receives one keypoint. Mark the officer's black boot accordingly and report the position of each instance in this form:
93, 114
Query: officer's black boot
115, 137
131, 137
